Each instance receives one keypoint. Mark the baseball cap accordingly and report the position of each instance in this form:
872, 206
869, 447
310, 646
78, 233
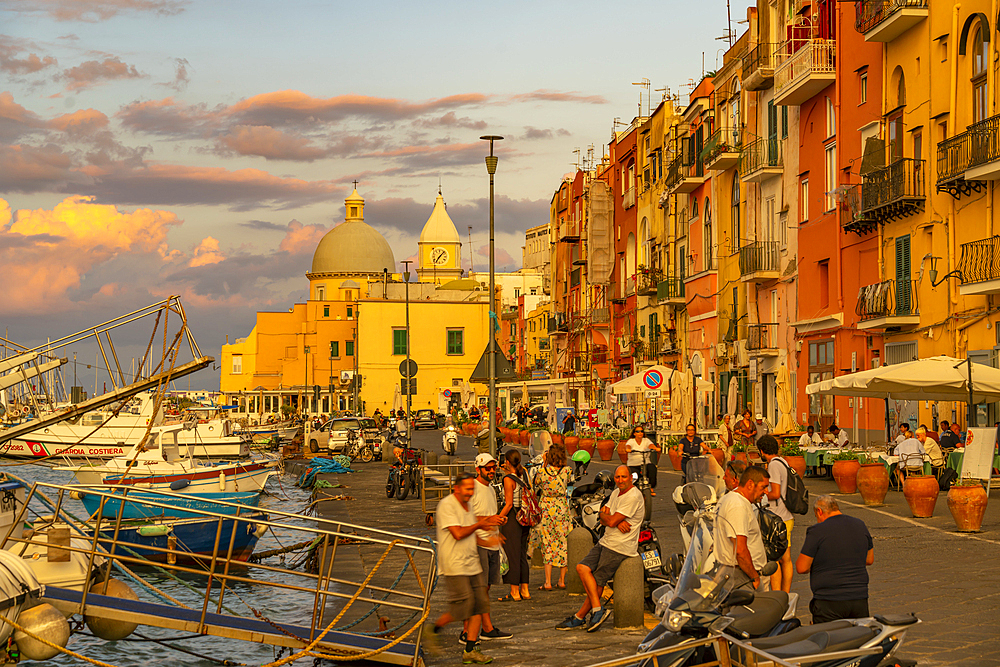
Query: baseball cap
484, 459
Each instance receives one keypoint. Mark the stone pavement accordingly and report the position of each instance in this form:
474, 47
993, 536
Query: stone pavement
951, 581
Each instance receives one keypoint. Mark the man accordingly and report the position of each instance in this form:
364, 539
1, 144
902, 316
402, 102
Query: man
763, 428
903, 428
931, 448
474, 413
726, 436
459, 568
746, 430
777, 469
484, 505
622, 518
949, 438
738, 540
836, 553
522, 414
911, 458
569, 422
734, 469
839, 436
810, 438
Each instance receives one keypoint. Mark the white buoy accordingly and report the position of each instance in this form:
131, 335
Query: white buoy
222, 481
105, 628
47, 622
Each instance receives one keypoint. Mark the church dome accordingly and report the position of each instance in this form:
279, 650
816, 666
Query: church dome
353, 246
439, 227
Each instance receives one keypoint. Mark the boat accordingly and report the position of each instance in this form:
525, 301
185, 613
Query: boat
137, 506
284, 431
104, 435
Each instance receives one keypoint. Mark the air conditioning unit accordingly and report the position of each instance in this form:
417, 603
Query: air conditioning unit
721, 350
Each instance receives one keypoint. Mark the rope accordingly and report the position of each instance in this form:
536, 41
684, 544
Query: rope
257, 557
61, 649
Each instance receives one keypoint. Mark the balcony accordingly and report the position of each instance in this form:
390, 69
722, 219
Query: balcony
890, 304
699, 265
851, 217
762, 339
647, 281
894, 191
761, 160
558, 324
885, 20
758, 67
952, 162
722, 151
980, 267
569, 232
670, 290
628, 199
805, 67
760, 261
984, 150
684, 178
600, 316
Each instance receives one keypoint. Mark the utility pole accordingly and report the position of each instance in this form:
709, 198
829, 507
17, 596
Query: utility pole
491, 360
409, 385
357, 412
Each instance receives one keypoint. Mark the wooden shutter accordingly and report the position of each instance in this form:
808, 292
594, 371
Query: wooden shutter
903, 275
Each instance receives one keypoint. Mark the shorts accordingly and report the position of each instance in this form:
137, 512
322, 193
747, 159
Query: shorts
788, 531
489, 560
466, 596
603, 563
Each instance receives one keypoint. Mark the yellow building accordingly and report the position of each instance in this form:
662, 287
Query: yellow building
354, 324
537, 349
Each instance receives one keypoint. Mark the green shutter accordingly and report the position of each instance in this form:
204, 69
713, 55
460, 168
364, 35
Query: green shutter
399, 341
903, 275
456, 343
334, 348
349, 348
784, 122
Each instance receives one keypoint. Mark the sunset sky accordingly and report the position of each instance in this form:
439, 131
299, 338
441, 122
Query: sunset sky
155, 147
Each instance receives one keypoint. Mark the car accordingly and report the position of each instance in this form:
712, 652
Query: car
424, 419
332, 436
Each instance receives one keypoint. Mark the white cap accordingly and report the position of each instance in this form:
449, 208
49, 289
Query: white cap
759, 416
484, 459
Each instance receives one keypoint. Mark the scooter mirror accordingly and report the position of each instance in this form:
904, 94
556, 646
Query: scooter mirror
769, 568
739, 597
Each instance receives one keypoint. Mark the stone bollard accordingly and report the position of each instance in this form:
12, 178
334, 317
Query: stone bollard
430, 459
387, 457
537, 561
578, 544
443, 461
629, 585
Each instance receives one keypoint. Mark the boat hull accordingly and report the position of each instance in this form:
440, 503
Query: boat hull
135, 508
208, 479
36, 446
187, 539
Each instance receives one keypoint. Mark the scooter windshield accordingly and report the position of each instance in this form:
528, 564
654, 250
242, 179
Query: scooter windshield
701, 587
707, 470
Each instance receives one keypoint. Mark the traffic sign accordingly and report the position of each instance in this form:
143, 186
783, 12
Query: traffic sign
652, 393
402, 368
447, 393
412, 389
652, 379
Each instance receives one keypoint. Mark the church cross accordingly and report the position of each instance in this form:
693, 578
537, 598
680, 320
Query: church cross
355, 184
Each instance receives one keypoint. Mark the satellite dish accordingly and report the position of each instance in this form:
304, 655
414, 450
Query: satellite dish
190, 422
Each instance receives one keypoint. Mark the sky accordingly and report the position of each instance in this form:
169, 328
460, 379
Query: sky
158, 147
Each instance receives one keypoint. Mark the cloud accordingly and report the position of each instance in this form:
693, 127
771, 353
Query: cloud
15, 60
92, 11
34, 168
207, 252
94, 72
263, 224
427, 156
267, 142
302, 239
167, 117
181, 78
15, 120
451, 119
543, 95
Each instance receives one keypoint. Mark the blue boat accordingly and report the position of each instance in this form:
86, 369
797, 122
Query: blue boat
137, 507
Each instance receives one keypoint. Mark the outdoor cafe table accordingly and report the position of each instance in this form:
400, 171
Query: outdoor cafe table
823, 456
890, 462
955, 460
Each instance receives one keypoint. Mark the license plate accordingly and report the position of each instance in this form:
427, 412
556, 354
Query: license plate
651, 559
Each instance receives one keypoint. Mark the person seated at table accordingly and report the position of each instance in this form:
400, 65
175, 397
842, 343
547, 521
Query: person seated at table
931, 448
903, 428
839, 436
911, 459
810, 438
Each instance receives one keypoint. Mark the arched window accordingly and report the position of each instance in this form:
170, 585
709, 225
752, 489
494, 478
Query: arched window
708, 239
694, 208
895, 119
980, 48
645, 256
734, 121
735, 202
630, 261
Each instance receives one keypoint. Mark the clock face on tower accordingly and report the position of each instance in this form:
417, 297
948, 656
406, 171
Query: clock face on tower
439, 256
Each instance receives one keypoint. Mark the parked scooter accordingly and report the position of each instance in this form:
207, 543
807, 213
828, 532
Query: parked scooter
586, 501
449, 441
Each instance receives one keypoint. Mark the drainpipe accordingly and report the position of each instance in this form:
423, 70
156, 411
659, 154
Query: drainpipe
953, 120
990, 110
840, 232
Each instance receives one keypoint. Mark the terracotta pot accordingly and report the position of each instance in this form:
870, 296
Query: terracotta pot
622, 454
845, 473
797, 463
571, 442
675, 457
873, 483
605, 449
741, 456
719, 455
921, 492
967, 505
525, 438
587, 445
557, 438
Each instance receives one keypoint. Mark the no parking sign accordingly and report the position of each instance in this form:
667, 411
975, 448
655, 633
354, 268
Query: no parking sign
652, 379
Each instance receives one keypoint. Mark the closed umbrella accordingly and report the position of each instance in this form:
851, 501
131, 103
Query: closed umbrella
552, 408
397, 399
678, 408
734, 391
687, 389
784, 394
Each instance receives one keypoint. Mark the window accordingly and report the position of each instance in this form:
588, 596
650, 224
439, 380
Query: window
350, 312
784, 122
399, 341
326, 311
237, 364
979, 60
918, 145
821, 365
354, 211
831, 118
863, 87
770, 233
735, 202
830, 169
335, 349
824, 284
709, 239
456, 341
804, 200
320, 292
349, 348
694, 208
348, 295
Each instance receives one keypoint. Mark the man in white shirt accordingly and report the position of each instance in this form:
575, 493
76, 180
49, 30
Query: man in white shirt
911, 458
738, 542
459, 568
931, 448
622, 517
777, 468
903, 428
839, 436
810, 438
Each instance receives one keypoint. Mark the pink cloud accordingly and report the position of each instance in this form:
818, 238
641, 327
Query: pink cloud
13, 62
84, 121
92, 11
94, 72
302, 238
207, 252
33, 169
543, 95
268, 143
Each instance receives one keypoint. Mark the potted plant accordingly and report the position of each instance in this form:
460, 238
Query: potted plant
792, 453
845, 471
586, 442
717, 452
873, 482
921, 493
557, 438
605, 444
674, 451
572, 441
740, 451
967, 503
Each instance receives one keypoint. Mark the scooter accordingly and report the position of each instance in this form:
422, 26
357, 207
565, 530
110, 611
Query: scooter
449, 441
586, 501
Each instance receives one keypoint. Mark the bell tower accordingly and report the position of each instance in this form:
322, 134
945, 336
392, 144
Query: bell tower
440, 247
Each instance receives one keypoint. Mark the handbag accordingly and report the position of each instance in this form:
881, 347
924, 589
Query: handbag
773, 533
529, 514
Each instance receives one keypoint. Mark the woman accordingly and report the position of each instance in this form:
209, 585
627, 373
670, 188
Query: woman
746, 430
550, 485
726, 436
637, 446
691, 445
515, 535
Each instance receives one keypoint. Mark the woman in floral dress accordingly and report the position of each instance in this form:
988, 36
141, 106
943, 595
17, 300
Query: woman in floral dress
550, 484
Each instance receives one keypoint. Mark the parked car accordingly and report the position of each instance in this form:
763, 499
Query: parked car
332, 436
424, 419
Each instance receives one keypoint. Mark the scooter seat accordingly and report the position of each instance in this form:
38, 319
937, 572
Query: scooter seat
798, 634
896, 619
826, 642
758, 617
586, 489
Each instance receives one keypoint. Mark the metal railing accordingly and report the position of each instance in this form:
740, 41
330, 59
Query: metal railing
762, 336
872, 12
889, 298
670, 288
725, 140
759, 256
648, 280
760, 57
815, 56
953, 157
984, 141
701, 264
901, 180
628, 199
600, 315
675, 173
759, 154
980, 260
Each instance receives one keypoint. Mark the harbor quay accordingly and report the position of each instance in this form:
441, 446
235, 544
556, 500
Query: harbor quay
949, 580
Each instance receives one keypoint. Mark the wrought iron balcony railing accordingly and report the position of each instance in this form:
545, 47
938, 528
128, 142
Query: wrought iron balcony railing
870, 13
952, 158
760, 57
628, 199
894, 190
647, 281
725, 140
980, 261
760, 154
675, 173
759, 256
670, 288
812, 57
600, 315
762, 336
984, 142
890, 298
851, 217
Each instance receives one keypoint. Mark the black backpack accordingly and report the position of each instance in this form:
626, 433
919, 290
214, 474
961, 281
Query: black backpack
796, 494
773, 532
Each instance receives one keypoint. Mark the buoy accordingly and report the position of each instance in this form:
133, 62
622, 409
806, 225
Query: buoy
155, 530
179, 484
45, 621
105, 628
222, 481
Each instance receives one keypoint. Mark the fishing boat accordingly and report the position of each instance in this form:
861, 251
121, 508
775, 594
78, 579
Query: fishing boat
136, 503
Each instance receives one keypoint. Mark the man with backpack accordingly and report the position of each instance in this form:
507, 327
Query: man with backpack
784, 494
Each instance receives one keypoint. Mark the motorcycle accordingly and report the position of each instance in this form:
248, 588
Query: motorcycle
586, 501
449, 441
403, 473
359, 448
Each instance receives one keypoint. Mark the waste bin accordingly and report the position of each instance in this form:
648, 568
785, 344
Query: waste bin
483, 440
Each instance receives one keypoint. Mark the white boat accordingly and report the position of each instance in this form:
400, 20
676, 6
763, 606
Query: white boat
103, 435
165, 463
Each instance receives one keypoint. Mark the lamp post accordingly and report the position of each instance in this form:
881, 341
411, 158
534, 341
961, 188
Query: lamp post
305, 384
491, 360
409, 394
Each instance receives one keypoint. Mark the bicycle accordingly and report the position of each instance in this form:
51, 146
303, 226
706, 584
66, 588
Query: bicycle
403, 474
359, 447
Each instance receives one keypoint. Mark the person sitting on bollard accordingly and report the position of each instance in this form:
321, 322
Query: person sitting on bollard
622, 517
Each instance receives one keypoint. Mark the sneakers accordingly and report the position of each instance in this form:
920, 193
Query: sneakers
462, 637
474, 657
495, 633
598, 617
430, 639
571, 623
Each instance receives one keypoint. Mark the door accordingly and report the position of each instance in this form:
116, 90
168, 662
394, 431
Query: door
903, 296
772, 135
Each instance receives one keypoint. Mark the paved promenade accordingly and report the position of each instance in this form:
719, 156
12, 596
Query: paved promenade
951, 581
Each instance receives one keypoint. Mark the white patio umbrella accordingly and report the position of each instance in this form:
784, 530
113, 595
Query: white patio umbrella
786, 424
688, 387
734, 390
633, 384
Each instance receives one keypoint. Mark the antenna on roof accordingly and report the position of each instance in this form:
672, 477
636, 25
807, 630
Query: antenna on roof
439, 183
472, 267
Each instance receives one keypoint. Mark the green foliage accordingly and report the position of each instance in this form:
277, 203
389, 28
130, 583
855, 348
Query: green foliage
791, 448
739, 447
846, 456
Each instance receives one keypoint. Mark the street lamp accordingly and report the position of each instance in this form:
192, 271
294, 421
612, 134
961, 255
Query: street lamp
409, 386
491, 360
